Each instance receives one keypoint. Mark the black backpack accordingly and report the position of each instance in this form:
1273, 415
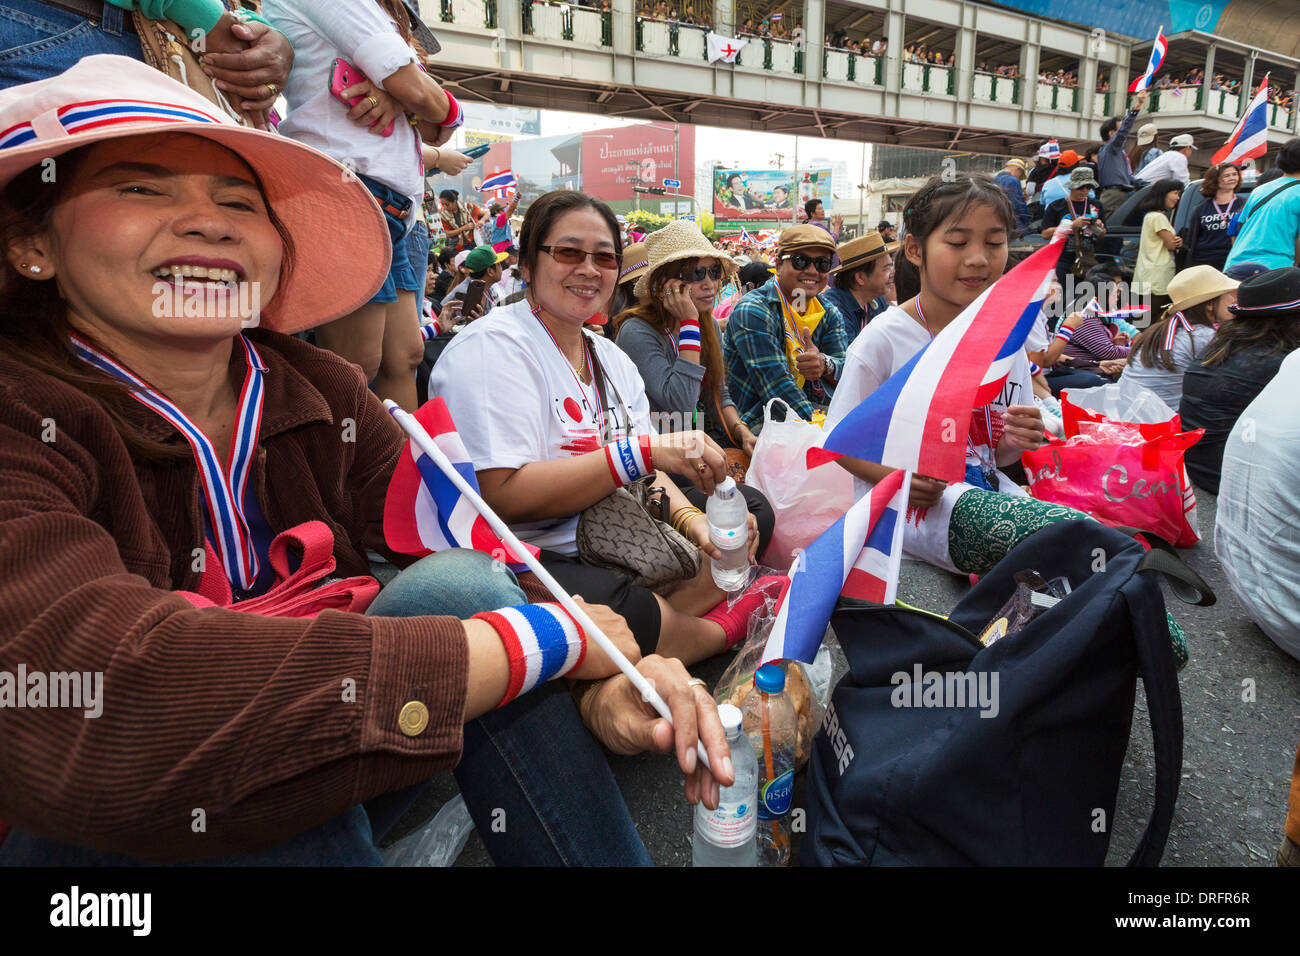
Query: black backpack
1035, 784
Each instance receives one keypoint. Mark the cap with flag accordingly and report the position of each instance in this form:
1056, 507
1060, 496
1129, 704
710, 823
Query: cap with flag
424, 511
1157, 57
1250, 138
858, 556
908, 421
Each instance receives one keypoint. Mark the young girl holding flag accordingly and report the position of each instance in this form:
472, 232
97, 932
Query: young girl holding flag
957, 238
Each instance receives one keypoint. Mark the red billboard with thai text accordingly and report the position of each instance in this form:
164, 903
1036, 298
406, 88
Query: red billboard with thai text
614, 160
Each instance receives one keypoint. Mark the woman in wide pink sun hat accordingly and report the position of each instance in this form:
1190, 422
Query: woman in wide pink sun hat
179, 476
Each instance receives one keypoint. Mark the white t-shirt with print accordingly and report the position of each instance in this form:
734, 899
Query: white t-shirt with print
888, 343
515, 400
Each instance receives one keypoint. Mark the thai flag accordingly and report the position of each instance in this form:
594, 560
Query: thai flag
1250, 138
424, 512
1053, 149
858, 556
919, 418
502, 180
1157, 57
776, 18
744, 236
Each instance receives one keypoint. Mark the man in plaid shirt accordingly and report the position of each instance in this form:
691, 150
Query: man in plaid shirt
782, 341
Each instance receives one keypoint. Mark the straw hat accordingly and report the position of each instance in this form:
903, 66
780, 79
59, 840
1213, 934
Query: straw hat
866, 247
342, 250
634, 262
680, 239
1198, 284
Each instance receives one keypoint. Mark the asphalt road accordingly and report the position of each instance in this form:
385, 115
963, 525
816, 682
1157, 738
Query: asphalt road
1237, 755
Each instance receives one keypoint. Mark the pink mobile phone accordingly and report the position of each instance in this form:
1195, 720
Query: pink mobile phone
344, 75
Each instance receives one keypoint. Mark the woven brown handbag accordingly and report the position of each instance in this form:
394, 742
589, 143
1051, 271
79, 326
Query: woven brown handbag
625, 532
167, 49
628, 532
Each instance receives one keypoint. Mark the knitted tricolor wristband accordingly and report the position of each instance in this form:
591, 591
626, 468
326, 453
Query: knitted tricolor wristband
688, 337
1065, 333
1033, 369
542, 641
454, 115
629, 459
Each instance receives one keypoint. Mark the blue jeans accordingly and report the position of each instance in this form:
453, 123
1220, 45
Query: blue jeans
38, 40
535, 781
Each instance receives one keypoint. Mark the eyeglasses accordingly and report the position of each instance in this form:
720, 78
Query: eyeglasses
572, 257
801, 262
713, 272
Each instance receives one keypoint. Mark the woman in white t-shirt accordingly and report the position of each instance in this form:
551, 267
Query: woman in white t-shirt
956, 236
1200, 298
375, 37
521, 385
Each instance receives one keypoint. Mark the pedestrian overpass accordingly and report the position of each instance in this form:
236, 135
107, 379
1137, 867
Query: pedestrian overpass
620, 64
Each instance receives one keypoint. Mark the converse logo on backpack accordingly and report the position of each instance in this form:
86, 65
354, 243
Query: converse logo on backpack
843, 752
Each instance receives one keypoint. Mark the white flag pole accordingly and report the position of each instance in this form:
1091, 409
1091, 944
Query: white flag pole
427, 445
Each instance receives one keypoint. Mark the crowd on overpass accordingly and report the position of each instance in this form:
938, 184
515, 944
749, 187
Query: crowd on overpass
172, 492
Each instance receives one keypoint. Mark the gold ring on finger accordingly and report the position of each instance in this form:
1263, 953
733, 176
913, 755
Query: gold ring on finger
272, 90
697, 682
374, 103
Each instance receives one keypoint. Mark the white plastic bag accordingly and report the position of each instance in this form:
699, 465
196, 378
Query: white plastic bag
438, 843
1123, 401
1257, 532
806, 502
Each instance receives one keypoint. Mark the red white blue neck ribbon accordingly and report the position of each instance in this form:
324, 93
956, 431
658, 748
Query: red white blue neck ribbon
1175, 321
223, 491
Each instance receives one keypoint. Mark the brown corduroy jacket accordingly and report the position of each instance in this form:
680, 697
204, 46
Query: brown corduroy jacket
248, 718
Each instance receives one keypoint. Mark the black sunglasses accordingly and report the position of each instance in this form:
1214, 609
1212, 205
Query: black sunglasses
801, 262
571, 256
713, 272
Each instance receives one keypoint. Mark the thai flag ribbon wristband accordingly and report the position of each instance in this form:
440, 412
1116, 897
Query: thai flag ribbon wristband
542, 641
629, 459
688, 336
455, 117
1064, 333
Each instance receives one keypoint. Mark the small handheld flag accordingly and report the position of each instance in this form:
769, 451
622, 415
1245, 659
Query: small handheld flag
1157, 57
498, 180
915, 420
425, 447
424, 512
858, 556
1249, 139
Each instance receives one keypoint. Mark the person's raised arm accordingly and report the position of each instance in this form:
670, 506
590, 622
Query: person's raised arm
760, 343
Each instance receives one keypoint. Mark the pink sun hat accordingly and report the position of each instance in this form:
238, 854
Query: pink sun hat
341, 246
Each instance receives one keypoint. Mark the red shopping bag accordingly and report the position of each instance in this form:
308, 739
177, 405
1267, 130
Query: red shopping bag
1141, 484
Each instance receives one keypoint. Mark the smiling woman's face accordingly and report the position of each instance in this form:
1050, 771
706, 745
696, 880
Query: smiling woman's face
145, 213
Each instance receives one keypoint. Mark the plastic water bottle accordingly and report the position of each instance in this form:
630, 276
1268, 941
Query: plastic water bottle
729, 531
770, 724
725, 836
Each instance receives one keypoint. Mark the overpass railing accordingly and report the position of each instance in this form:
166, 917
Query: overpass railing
564, 21
995, 88
845, 66
1197, 100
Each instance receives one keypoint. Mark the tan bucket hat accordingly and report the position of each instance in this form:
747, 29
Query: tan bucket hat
680, 239
1198, 284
